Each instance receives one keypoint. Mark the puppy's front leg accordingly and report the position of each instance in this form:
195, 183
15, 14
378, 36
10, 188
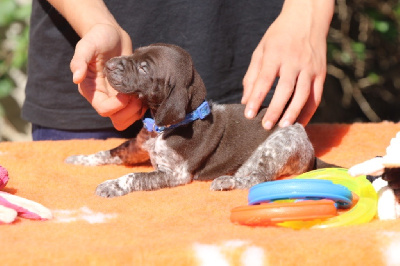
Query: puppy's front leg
130, 152
99, 158
141, 181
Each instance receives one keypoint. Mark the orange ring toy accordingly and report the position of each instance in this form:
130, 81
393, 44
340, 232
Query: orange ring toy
277, 212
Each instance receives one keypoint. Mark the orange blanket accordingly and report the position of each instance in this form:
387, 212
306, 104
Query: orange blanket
187, 225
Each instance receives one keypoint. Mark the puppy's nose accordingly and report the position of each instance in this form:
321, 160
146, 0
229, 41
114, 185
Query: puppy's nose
117, 63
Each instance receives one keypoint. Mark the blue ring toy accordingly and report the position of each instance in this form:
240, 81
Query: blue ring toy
300, 189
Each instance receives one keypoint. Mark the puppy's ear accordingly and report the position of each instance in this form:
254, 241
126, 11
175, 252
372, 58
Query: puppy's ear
196, 91
173, 109
187, 89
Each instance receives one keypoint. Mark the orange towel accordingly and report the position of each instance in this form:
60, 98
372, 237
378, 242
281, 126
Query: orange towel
187, 225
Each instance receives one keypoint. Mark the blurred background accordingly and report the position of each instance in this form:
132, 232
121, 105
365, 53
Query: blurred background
362, 84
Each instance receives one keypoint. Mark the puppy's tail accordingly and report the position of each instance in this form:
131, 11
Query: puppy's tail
318, 164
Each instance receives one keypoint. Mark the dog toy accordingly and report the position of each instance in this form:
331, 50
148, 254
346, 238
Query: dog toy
298, 189
384, 173
364, 207
310, 208
12, 206
278, 212
326, 185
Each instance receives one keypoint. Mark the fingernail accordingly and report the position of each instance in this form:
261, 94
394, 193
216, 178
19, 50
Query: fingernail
268, 125
250, 114
76, 77
284, 123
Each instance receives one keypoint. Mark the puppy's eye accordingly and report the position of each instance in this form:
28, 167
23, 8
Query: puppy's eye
143, 68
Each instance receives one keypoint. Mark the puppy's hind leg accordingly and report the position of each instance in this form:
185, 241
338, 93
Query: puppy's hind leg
286, 151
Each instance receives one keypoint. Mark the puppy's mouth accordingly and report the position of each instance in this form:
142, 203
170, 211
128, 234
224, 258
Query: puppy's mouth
114, 70
116, 81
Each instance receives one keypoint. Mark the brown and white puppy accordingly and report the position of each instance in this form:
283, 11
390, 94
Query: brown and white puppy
224, 146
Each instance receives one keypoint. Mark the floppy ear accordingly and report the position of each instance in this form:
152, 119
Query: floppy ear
196, 91
187, 91
173, 109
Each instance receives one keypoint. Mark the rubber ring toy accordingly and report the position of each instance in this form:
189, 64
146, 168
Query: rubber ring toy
364, 209
325, 197
276, 212
300, 189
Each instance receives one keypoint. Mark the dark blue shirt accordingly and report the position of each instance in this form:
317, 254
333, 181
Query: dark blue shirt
220, 36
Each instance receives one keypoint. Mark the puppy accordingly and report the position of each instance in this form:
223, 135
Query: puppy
190, 138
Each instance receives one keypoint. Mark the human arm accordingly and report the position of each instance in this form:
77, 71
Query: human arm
101, 39
293, 49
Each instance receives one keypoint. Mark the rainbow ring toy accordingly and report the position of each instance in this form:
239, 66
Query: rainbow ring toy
310, 213
319, 199
363, 211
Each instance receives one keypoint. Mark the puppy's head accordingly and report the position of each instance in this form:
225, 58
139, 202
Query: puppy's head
163, 77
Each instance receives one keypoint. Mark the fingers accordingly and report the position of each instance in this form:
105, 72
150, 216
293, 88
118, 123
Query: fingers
122, 109
134, 111
102, 101
258, 81
313, 101
251, 74
283, 92
300, 94
84, 53
296, 98
305, 98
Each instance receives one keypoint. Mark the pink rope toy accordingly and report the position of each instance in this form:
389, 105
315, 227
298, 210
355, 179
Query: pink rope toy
12, 206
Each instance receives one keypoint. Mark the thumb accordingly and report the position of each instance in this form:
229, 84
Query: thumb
84, 53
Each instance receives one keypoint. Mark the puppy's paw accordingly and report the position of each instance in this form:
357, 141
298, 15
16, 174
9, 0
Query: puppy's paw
225, 182
117, 187
100, 158
110, 189
80, 160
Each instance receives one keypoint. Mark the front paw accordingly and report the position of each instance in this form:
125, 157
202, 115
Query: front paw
116, 187
80, 160
110, 189
223, 183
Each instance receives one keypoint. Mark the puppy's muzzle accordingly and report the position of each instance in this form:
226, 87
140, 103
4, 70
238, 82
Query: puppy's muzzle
114, 70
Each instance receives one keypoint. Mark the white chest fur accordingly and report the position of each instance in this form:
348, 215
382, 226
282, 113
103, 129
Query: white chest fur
165, 159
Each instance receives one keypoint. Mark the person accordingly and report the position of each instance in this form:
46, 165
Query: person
239, 48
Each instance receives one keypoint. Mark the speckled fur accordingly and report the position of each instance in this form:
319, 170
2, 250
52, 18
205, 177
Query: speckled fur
287, 151
225, 147
96, 159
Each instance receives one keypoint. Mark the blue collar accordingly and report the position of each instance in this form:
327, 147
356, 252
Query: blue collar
200, 113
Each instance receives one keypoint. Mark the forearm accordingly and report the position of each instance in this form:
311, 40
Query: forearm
84, 14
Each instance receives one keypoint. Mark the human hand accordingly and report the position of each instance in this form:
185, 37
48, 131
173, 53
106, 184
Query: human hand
293, 49
97, 46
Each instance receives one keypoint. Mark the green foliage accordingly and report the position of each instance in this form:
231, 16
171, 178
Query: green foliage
363, 55
11, 11
14, 34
